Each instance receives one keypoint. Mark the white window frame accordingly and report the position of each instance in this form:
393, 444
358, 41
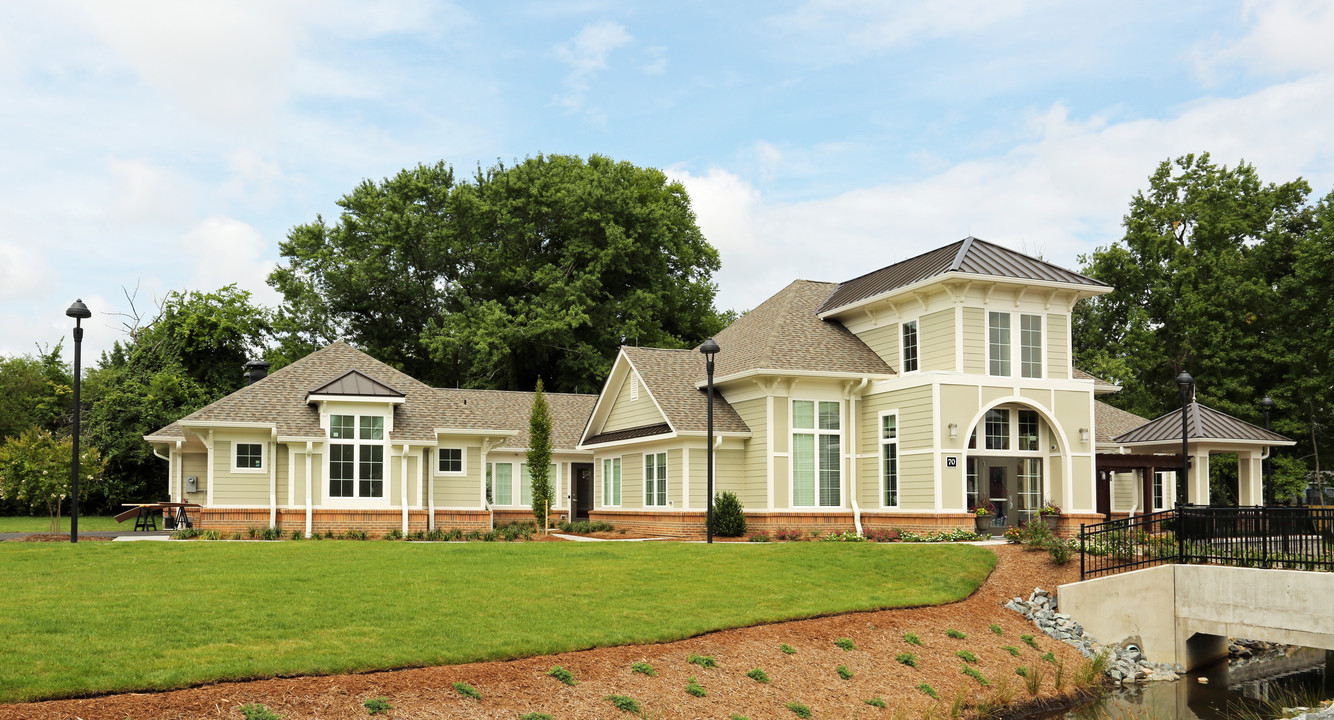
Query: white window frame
917, 346
263, 457
1010, 441
898, 458
816, 432
1158, 488
463, 461
553, 477
1041, 349
356, 442
650, 463
491, 472
604, 487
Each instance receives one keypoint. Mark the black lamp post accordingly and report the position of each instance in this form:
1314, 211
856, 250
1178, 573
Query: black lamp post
1268, 405
79, 312
709, 349
1186, 385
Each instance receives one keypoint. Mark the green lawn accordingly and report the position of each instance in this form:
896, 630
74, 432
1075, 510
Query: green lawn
101, 617
41, 524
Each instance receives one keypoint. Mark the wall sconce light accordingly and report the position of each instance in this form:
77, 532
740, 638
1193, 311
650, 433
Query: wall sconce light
954, 430
1083, 434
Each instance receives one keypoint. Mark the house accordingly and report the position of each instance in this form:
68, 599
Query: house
902, 398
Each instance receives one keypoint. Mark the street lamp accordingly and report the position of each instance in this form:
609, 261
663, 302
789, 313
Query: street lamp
1186, 385
709, 349
1268, 405
79, 312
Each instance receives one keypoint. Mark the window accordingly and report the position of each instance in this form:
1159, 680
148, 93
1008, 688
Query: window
502, 483
611, 481
910, 346
889, 459
451, 461
1159, 482
1029, 497
249, 456
816, 444
1028, 429
971, 479
356, 456
655, 479
999, 342
998, 429
1030, 346
526, 483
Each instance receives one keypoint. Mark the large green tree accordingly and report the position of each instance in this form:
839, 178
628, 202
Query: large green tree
35, 391
36, 471
540, 269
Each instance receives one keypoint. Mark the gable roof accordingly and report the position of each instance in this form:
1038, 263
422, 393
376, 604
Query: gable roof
970, 255
1110, 421
1202, 423
355, 382
784, 333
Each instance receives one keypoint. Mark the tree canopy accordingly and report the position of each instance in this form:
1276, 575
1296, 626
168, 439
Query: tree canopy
540, 269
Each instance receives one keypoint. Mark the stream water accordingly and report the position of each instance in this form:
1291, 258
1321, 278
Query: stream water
1227, 690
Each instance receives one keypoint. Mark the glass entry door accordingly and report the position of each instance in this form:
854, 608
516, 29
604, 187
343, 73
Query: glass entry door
1028, 497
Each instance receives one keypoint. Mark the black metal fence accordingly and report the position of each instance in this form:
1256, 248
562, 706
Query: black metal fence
1294, 538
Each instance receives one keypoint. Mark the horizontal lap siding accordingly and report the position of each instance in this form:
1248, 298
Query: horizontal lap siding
236, 488
936, 337
281, 459
916, 419
884, 341
196, 464
753, 486
1057, 336
917, 482
974, 341
626, 413
462, 491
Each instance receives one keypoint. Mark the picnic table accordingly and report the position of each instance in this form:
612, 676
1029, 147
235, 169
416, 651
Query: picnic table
173, 514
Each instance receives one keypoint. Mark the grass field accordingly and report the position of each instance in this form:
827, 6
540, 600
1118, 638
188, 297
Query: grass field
41, 524
101, 617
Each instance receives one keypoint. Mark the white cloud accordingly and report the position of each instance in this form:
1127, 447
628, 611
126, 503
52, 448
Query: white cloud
223, 251
147, 193
586, 54
23, 270
1286, 36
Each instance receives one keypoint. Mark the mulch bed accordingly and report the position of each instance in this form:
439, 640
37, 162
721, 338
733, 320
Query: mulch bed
510, 689
58, 537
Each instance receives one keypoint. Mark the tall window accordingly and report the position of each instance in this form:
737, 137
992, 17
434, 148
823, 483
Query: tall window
1028, 429
451, 460
816, 442
526, 483
502, 483
1158, 485
889, 458
611, 481
971, 478
356, 456
1030, 346
655, 479
910, 346
998, 429
999, 342
1029, 497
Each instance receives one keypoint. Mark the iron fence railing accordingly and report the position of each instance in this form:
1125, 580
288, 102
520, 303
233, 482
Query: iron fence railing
1295, 538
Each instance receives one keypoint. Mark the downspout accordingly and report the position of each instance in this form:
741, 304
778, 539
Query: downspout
852, 471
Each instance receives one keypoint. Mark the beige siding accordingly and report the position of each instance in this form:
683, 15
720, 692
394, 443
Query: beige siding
281, 458
698, 477
1057, 336
936, 339
753, 485
459, 491
626, 413
674, 466
974, 340
916, 417
251, 489
730, 474
884, 340
917, 482
195, 464
1123, 490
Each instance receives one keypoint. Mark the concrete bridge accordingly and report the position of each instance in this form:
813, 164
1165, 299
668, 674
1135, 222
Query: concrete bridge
1185, 613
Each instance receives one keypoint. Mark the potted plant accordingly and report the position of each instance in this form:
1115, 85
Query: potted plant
1050, 514
982, 515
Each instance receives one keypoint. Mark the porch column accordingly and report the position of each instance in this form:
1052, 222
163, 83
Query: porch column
1250, 479
1197, 482
403, 483
310, 506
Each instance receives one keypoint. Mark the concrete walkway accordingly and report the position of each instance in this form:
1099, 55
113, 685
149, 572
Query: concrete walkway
581, 538
114, 534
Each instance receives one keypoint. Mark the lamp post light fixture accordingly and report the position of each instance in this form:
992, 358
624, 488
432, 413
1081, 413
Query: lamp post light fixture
709, 349
1186, 386
1268, 405
79, 312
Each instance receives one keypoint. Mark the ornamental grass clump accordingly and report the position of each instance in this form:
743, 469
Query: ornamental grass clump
955, 634
625, 703
846, 644
844, 672
563, 675
644, 668
704, 661
694, 688
758, 675
467, 690
799, 710
908, 659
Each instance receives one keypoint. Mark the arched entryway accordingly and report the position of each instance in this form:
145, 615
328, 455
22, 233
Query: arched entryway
1017, 460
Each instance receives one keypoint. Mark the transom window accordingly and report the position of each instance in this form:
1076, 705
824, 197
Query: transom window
611, 481
816, 445
1030, 346
249, 456
356, 456
655, 479
451, 460
889, 458
998, 330
998, 429
910, 346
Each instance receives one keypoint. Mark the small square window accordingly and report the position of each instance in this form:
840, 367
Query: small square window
451, 460
372, 427
249, 456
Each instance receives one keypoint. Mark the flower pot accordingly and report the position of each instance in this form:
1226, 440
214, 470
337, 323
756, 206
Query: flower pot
983, 524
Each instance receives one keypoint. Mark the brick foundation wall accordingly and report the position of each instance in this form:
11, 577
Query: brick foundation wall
691, 524
924, 522
374, 522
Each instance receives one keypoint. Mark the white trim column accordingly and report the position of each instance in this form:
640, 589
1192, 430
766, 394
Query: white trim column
403, 484
310, 505
273, 482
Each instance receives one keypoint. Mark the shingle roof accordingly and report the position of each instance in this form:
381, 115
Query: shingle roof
784, 333
1100, 386
1110, 421
281, 398
1202, 423
670, 376
969, 255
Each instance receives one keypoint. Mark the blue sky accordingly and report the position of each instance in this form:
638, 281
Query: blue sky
169, 145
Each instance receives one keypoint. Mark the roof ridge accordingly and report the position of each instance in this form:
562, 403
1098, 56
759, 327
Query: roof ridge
900, 262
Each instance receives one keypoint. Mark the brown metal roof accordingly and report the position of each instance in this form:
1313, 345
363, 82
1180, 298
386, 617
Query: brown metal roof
1202, 423
1110, 421
354, 382
969, 255
784, 333
671, 375
630, 434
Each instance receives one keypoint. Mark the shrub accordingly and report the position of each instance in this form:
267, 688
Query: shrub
255, 711
843, 672
996, 629
758, 676
694, 688
729, 519
296, 535
928, 690
759, 537
1013, 535
624, 703
882, 535
907, 659
357, 535
788, 649
800, 710
1050, 657
584, 527
1059, 551
704, 661
535, 716
967, 656
644, 668
1012, 650
973, 673
1029, 641
955, 634
394, 534
375, 706
739, 717
185, 534
467, 690
912, 639
787, 534
1032, 679
876, 702
846, 644
563, 675
845, 536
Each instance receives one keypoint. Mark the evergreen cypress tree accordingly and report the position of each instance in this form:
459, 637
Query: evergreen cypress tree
539, 455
